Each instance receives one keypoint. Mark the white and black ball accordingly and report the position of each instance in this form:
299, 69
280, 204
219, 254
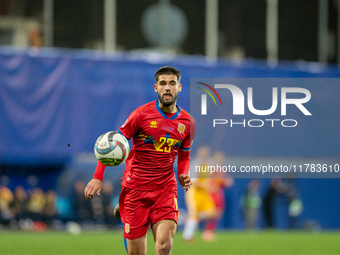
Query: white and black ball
111, 148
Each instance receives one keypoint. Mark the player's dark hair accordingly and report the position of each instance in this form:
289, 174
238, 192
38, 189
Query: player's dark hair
168, 70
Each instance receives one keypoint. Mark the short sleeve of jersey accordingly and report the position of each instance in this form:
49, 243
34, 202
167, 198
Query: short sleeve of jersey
186, 145
130, 127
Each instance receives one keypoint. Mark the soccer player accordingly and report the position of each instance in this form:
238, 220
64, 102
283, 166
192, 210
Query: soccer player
199, 203
160, 130
218, 182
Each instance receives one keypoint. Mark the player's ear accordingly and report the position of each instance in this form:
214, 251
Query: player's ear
155, 86
179, 87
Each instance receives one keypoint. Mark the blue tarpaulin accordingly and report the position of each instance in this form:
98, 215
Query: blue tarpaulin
52, 98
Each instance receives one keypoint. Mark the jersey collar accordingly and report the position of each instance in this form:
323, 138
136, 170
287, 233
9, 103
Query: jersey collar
163, 114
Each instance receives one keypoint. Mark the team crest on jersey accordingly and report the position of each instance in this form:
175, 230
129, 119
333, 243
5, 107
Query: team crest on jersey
153, 124
181, 128
127, 228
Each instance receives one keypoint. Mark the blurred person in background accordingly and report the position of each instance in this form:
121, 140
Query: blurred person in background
35, 38
82, 206
219, 181
36, 204
295, 205
251, 202
50, 212
276, 187
200, 204
6, 198
98, 211
108, 203
19, 205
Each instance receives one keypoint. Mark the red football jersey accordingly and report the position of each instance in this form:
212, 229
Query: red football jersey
156, 140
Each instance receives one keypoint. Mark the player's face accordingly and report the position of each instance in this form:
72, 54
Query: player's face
167, 88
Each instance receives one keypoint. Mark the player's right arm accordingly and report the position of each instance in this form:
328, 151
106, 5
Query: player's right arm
95, 185
128, 129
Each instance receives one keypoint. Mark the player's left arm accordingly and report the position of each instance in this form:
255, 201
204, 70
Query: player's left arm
184, 158
183, 169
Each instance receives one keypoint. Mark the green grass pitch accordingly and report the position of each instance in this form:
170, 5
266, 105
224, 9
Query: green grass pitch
111, 242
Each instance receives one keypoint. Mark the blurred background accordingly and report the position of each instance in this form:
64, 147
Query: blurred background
72, 70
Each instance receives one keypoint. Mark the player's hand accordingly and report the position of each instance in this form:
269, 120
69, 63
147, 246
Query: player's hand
185, 182
93, 187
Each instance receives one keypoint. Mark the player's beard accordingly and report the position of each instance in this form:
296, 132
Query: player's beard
167, 103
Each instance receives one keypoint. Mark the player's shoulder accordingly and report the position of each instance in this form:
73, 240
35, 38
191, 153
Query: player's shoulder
147, 106
187, 115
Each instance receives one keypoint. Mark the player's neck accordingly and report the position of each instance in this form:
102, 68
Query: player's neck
168, 109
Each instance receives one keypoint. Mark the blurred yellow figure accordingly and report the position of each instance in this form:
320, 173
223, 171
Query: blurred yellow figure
36, 204
6, 198
200, 204
218, 182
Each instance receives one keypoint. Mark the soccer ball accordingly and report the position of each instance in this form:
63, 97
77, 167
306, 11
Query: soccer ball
111, 148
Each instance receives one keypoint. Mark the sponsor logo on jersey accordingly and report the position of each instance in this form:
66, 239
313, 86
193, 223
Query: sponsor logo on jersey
168, 128
127, 228
181, 128
153, 124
